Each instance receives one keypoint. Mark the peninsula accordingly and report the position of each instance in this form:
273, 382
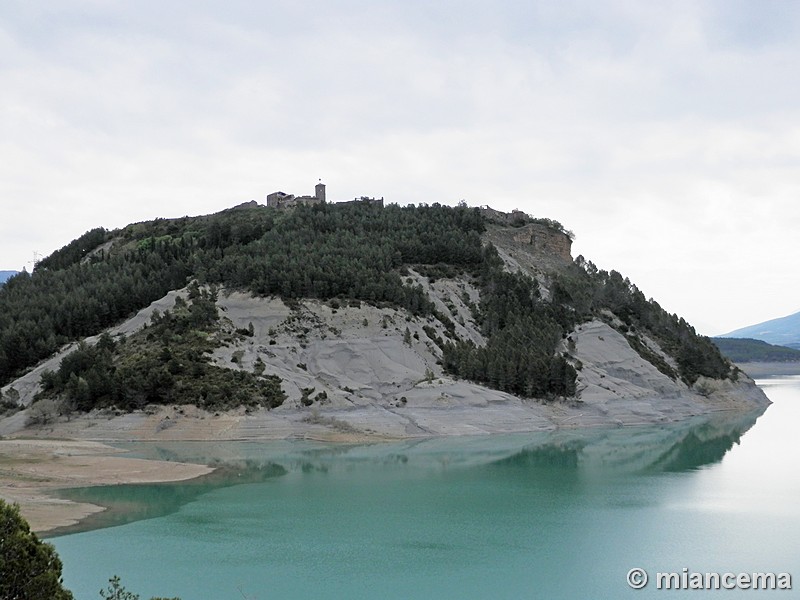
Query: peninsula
352, 321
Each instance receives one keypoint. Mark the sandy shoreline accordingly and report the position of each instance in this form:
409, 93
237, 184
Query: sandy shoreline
30, 470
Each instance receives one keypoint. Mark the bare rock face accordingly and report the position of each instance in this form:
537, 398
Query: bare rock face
366, 373
534, 248
544, 240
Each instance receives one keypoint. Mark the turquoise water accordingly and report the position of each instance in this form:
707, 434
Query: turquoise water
561, 515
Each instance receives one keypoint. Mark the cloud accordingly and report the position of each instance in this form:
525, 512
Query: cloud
665, 135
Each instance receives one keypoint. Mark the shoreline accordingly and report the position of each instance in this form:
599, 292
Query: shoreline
35, 462
32, 469
759, 370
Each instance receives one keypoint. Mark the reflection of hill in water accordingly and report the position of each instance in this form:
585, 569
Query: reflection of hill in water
672, 448
565, 455
134, 502
551, 455
698, 449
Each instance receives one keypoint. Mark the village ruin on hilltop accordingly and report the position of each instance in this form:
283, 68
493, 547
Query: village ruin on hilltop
558, 245
284, 200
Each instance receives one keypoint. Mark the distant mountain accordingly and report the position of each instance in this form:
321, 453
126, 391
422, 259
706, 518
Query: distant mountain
4, 275
783, 332
743, 350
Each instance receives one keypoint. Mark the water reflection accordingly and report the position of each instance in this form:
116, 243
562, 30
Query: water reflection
132, 502
566, 456
670, 448
704, 445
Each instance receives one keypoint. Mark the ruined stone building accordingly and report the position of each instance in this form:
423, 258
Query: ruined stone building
284, 200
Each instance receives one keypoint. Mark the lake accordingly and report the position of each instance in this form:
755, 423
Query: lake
558, 515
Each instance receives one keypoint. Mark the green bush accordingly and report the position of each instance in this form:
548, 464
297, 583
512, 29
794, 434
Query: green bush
29, 568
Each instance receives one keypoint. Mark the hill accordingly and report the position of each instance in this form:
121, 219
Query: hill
742, 350
784, 331
398, 320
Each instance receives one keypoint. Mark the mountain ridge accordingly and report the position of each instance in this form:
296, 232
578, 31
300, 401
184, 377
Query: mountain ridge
782, 331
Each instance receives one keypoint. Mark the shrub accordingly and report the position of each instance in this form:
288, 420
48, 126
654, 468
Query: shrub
29, 568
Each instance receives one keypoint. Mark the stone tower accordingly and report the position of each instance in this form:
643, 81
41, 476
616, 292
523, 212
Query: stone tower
319, 192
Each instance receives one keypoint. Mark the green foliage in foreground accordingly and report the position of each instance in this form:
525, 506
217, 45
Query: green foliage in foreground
743, 350
165, 363
29, 568
117, 591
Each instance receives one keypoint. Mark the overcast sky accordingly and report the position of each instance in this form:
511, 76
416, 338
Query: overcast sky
666, 135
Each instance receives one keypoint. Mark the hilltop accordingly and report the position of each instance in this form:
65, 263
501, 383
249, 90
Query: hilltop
343, 321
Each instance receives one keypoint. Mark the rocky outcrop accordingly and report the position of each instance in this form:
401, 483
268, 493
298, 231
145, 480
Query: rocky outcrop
533, 248
544, 241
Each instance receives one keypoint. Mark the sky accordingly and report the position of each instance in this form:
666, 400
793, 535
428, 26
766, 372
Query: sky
665, 135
